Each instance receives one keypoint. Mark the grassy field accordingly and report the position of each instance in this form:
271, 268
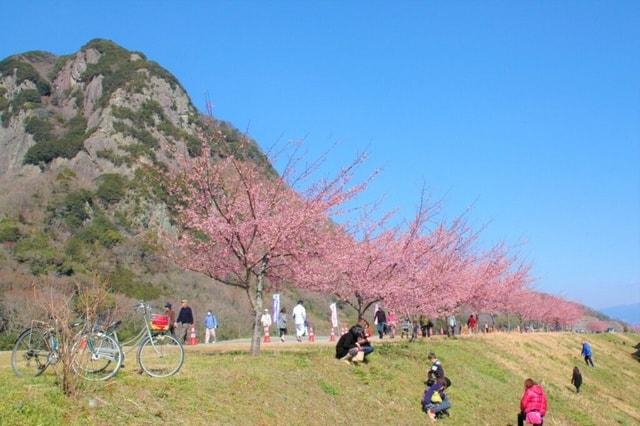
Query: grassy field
303, 384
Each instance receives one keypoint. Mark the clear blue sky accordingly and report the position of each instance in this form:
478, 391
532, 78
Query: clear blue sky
528, 110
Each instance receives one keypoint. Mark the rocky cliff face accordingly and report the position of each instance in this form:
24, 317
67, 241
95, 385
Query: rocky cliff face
85, 142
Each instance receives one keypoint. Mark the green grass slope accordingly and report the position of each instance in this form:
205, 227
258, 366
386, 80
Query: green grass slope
303, 384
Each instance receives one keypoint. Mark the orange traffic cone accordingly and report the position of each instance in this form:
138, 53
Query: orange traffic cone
266, 338
332, 338
312, 337
192, 337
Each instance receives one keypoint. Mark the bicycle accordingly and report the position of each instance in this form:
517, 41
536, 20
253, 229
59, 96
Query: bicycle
96, 356
159, 354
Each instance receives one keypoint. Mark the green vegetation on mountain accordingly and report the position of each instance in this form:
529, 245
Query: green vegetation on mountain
49, 148
25, 71
118, 69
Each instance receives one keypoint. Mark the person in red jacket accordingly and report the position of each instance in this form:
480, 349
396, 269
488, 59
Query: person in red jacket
533, 405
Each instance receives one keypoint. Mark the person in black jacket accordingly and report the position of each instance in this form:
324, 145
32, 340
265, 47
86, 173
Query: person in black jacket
380, 318
185, 319
576, 379
354, 341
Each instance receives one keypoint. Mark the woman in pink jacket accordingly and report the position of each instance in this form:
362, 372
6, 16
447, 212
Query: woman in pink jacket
533, 405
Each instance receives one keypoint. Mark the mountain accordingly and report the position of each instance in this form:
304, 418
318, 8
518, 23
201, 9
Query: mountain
86, 140
627, 313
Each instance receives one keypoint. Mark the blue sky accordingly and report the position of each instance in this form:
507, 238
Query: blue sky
530, 111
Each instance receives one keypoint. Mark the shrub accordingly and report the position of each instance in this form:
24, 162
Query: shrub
24, 98
76, 208
101, 230
24, 71
4, 102
111, 188
36, 251
108, 154
194, 146
9, 231
117, 68
39, 128
66, 147
123, 280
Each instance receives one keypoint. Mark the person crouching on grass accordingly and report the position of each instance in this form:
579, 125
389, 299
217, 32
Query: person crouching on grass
354, 346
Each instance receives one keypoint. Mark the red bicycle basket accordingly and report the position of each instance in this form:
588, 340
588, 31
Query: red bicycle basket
159, 322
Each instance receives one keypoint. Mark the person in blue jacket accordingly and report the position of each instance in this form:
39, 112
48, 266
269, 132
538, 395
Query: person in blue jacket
587, 354
210, 325
435, 401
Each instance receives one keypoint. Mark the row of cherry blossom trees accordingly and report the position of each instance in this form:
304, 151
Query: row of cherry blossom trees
244, 226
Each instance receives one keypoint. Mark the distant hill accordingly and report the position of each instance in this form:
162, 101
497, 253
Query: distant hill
627, 313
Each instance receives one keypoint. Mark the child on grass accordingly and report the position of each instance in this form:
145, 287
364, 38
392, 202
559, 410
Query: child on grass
576, 379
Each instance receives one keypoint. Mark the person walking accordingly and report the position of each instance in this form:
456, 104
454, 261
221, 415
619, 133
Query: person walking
210, 325
282, 324
471, 323
429, 328
380, 319
393, 323
406, 326
587, 353
299, 319
185, 319
452, 325
533, 404
414, 331
576, 379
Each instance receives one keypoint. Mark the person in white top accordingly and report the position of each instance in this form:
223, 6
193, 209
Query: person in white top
299, 318
265, 319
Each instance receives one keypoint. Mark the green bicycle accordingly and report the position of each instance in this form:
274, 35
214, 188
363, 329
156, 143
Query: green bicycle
159, 354
96, 355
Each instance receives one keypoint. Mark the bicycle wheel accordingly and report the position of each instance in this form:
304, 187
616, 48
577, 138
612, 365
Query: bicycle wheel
31, 353
97, 356
161, 355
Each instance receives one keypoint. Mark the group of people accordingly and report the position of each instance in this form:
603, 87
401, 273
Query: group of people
435, 401
385, 324
533, 404
300, 321
354, 347
179, 326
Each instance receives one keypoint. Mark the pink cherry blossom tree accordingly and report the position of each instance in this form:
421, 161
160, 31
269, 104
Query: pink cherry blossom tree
241, 225
369, 259
597, 326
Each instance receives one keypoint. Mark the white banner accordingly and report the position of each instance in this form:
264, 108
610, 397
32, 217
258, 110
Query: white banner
334, 315
276, 308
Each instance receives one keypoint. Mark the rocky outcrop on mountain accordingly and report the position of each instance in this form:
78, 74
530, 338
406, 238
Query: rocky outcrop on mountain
86, 141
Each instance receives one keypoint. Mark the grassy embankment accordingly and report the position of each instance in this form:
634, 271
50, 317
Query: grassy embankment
302, 384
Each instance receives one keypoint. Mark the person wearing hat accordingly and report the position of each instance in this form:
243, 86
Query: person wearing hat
185, 319
172, 318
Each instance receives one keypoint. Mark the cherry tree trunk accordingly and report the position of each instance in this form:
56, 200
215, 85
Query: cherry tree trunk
255, 339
